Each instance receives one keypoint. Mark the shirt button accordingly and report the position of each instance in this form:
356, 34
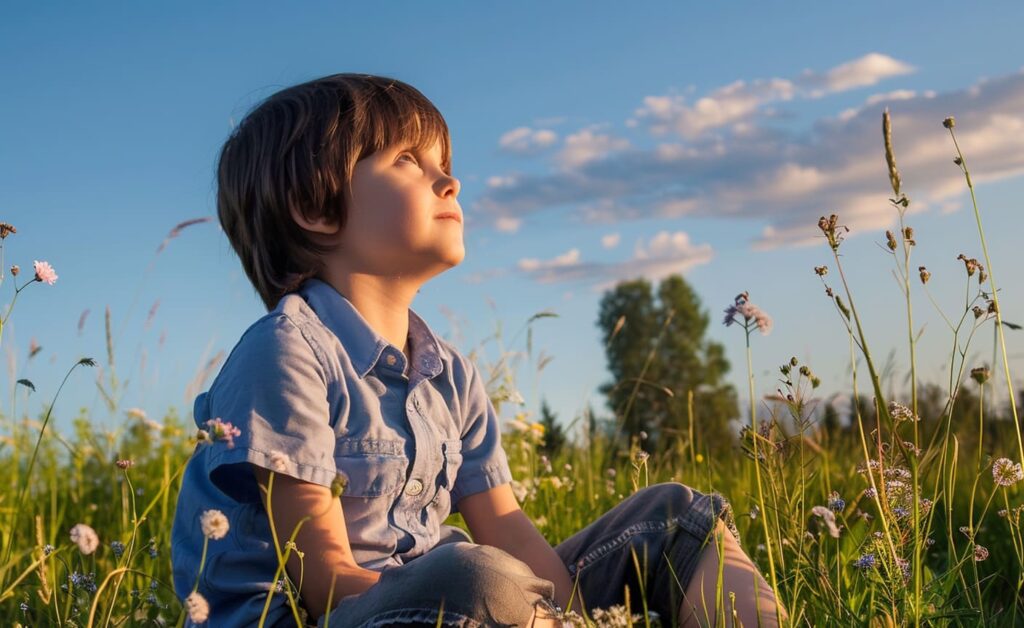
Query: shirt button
415, 487
391, 360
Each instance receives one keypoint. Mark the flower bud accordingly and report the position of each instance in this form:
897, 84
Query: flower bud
925, 275
949, 122
980, 374
821, 270
15, 270
890, 240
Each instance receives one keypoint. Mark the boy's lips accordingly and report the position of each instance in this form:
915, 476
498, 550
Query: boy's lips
450, 215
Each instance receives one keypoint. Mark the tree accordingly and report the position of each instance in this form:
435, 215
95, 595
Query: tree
554, 435
656, 353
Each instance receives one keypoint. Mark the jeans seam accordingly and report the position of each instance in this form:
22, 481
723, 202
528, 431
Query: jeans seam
607, 547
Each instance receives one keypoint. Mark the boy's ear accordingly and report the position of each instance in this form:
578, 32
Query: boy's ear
320, 224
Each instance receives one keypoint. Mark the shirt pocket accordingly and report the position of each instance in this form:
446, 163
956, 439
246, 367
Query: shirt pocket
452, 450
373, 467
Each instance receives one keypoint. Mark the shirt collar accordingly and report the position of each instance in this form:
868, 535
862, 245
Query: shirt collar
362, 343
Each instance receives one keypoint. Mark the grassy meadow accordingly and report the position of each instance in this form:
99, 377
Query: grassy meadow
902, 518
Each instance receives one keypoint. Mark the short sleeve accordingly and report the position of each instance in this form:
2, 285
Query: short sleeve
273, 389
484, 463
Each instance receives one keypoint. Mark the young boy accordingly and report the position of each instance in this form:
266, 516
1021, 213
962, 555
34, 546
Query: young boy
338, 197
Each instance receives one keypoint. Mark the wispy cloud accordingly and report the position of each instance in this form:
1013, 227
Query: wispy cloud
527, 141
717, 159
665, 254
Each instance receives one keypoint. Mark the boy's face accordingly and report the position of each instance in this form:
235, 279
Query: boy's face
393, 226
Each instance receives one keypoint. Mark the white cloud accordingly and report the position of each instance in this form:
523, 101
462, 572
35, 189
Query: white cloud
586, 146
569, 258
899, 94
784, 180
610, 241
867, 70
507, 224
666, 254
526, 141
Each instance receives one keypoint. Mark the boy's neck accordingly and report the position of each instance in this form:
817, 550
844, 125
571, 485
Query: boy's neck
383, 303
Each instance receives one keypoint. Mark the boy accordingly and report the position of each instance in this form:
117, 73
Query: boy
337, 195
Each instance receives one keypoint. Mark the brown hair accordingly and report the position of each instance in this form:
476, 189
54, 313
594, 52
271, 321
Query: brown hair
297, 149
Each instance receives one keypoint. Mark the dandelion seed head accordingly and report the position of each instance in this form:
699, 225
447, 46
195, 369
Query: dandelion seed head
85, 538
214, 524
197, 606
1006, 472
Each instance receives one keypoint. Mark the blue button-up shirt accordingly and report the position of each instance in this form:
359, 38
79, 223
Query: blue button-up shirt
315, 392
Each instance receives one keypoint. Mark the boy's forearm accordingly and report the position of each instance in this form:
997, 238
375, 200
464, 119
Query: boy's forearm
521, 539
347, 581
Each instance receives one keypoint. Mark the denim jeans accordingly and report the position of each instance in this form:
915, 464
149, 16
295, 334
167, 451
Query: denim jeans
649, 543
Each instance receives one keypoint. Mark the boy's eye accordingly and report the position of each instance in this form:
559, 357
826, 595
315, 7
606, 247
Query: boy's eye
407, 153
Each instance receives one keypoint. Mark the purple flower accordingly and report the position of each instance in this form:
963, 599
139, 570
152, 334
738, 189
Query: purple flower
865, 562
750, 312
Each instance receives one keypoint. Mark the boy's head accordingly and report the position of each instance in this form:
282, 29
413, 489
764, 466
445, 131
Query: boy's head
290, 162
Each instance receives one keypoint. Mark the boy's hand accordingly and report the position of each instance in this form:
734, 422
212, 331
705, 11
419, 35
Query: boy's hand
323, 540
495, 518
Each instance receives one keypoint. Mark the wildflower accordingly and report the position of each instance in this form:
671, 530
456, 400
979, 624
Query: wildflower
125, 464
890, 240
15, 269
900, 412
835, 502
1006, 472
970, 264
6, 229
44, 272
699, 458
537, 429
900, 512
865, 562
980, 553
870, 492
136, 413
978, 312
829, 227
519, 490
640, 457
949, 122
912, 448
85, 537
749, 311
223, 430
904, 566
821, 270
214, 523
47, 549
830, 519
966, 531
202, 435
754, 511
1002, 512
197, 606
925, 275
83, 581
153, 553
611, 472
24, 607
279, 461
980, 374
118, 548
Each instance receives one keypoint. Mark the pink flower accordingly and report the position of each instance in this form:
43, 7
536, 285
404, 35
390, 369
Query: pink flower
750, 312
45, 272
222, 430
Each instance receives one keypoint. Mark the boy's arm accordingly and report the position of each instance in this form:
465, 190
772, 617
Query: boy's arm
495, 518
323, 539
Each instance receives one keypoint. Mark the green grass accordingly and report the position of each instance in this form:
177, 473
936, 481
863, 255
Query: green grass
926, 534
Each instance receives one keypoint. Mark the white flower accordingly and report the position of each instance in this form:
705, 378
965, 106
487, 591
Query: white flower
830, 519
1006, 472
197, 606
215, 524
279, 461
85, 537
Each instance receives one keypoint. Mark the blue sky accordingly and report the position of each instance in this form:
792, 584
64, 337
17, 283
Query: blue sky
594, 141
